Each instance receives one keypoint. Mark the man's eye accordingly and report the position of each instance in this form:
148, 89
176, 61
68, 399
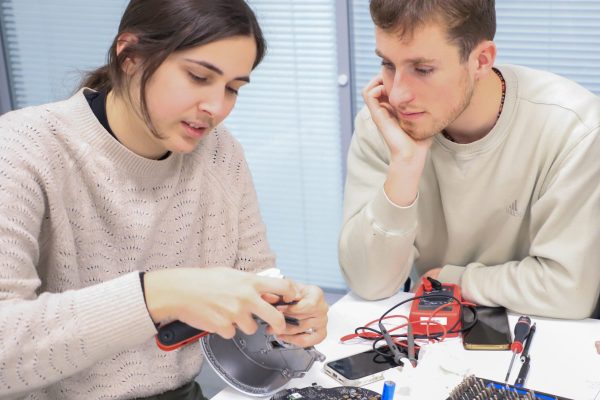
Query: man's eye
424, 71
387, 65
232, 90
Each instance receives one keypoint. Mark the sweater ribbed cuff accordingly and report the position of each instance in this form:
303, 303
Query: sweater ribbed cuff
113, 315
451, 274
391, 218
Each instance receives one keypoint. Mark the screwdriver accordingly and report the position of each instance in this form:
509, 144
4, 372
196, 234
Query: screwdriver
522, 328
526, 359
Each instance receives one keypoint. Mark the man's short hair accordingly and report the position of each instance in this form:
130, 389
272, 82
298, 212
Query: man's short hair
467, 22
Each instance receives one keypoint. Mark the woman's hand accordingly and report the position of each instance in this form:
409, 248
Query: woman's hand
311, 313
218, 300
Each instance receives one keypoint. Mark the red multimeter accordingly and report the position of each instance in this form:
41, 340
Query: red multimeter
423, 308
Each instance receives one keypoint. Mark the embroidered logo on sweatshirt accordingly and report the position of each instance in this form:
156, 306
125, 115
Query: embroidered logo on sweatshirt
513, 209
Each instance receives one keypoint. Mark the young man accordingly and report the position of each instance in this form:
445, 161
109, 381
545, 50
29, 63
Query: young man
483, 176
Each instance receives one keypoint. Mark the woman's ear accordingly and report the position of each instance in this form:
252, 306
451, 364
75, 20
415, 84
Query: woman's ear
125, 40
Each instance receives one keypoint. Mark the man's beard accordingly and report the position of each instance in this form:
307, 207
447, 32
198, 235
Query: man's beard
418, 132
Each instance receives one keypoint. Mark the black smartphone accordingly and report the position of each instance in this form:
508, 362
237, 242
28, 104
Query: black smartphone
360, 369
490, 332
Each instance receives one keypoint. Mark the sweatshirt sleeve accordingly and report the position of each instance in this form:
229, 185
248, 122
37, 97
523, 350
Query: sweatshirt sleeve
560, 278
46, 337
376, 246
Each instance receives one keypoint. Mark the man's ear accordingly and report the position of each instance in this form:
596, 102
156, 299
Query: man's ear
123, 41
483, 57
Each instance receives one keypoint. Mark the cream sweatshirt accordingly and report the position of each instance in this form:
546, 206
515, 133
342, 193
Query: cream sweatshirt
80, 215
513, 218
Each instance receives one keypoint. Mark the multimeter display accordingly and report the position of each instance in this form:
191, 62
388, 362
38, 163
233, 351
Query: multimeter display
431, 302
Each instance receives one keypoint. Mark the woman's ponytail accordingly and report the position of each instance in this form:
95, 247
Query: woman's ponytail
98, 80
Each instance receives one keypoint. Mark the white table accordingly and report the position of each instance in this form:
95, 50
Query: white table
564, 361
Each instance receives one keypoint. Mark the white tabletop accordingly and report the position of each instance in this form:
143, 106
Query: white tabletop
564, 361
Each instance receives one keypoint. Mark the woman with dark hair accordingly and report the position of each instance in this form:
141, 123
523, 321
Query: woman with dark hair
128, 206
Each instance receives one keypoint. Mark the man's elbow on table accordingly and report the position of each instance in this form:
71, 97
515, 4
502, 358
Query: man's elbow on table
573, 304
577, 304
368, 277
370, 286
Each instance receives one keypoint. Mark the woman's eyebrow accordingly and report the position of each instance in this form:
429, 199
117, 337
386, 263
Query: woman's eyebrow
216, 69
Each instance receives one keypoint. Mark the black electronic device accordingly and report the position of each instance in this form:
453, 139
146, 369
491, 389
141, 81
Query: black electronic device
319, 393
490, 332
362, 368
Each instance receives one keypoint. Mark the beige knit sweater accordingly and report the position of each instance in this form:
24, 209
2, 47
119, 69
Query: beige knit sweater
80, 215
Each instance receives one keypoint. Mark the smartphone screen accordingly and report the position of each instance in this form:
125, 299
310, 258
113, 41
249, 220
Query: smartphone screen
491, 332
362, 364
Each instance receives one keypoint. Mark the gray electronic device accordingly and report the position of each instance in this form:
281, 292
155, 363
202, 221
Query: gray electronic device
257, 364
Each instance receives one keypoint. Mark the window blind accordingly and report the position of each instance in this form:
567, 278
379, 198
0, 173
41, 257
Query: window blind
287, 119
365, 64
49, 44
558, 36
